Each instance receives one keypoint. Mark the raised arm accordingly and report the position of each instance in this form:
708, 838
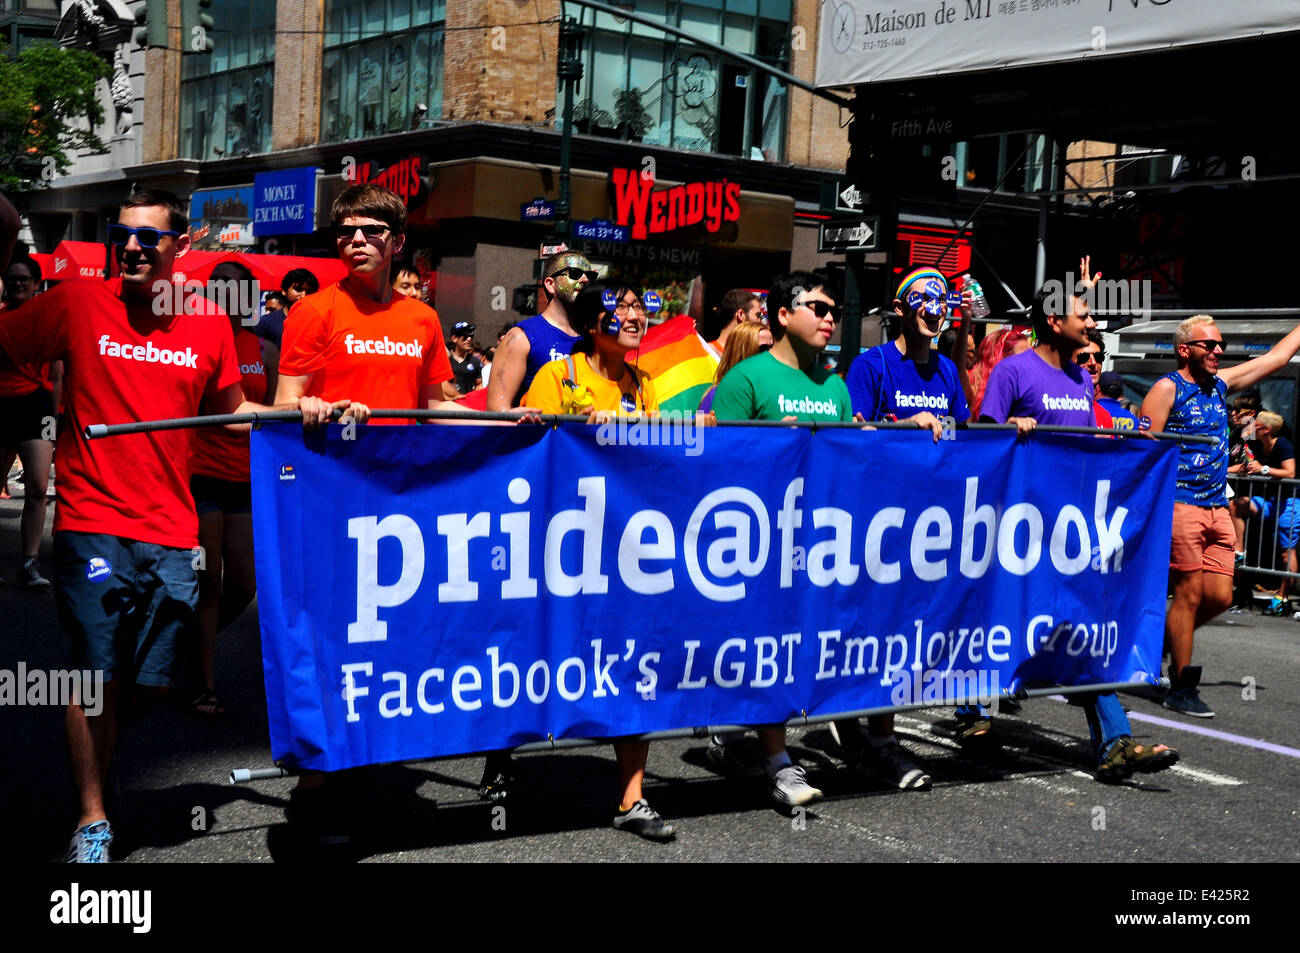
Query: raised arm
959, 349
1256, 369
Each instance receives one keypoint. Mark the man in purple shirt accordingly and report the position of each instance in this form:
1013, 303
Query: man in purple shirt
1044, 385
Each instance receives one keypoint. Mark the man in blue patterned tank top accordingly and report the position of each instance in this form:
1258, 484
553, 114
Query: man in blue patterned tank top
543, 338
1192, 400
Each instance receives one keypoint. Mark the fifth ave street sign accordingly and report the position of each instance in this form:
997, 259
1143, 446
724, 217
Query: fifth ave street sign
848, 235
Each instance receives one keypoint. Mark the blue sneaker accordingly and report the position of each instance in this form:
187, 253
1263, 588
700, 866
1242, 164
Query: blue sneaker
90, 844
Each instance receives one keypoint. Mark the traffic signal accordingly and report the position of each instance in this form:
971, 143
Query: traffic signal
196, 26
151, 24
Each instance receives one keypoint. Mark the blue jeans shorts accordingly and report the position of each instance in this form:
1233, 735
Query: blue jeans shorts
125, 604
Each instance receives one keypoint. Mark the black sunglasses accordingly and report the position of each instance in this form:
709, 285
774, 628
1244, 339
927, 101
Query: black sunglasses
1089, 356
1209, 344
345, 232
821, 308
575, 273
146, 236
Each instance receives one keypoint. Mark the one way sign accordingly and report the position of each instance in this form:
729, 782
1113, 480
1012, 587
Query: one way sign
849, 198
851, 235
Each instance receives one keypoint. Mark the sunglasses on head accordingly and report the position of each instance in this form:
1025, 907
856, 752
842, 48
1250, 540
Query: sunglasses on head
820, 308
346, 232
575, 273
146, 236
1087, 357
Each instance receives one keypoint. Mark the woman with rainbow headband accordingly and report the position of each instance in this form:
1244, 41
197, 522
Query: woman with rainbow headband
596, 379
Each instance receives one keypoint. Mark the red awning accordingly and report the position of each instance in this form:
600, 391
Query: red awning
44, 261
196, 265
76, 260
269, 270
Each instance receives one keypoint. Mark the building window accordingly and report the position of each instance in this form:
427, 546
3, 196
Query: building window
640, 85
982, 162
226, 95
382, 66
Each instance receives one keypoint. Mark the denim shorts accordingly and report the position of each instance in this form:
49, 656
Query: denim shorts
125, 604
1288, 524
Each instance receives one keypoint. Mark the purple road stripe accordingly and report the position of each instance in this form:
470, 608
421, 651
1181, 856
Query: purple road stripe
1207, 732
1221, 735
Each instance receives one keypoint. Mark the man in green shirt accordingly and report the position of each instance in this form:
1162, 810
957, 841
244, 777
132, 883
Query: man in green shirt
787, 383
784, 383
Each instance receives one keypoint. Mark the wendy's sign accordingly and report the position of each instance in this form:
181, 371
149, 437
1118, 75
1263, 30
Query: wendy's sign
646, 211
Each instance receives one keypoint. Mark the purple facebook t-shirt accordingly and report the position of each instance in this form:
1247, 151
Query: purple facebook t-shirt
1024, 385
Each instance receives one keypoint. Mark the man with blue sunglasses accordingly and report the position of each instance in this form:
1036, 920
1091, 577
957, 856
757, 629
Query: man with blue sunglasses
125, 529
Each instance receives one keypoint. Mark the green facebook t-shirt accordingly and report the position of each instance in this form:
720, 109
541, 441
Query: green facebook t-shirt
762, 388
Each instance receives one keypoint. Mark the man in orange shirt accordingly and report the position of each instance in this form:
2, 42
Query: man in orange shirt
362, 337
359, 336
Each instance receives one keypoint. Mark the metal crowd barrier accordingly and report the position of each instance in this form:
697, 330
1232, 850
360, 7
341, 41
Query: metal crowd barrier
1279, 517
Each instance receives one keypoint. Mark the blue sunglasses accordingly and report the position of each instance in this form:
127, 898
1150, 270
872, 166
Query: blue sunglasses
146, 236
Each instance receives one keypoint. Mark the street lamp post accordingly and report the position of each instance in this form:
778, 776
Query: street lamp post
568, 67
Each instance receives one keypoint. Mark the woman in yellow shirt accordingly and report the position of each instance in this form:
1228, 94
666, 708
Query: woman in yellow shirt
597, 380
596, 377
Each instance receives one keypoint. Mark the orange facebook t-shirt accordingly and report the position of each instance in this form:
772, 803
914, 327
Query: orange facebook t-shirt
220, 453
124, 363
353, 348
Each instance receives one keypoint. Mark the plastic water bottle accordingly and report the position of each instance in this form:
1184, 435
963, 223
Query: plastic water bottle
979, 303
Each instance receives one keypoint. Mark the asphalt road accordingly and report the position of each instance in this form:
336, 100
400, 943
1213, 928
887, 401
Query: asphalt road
1232, 798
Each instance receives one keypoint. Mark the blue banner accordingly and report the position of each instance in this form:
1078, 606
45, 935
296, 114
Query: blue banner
284, 202
437, 590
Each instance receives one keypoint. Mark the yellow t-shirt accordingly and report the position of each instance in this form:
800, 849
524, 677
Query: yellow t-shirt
552, 395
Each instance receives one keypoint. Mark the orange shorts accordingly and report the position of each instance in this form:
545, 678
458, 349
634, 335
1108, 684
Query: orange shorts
1203, 539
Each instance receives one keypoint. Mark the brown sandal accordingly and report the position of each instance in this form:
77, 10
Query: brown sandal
206, 704
1124, 756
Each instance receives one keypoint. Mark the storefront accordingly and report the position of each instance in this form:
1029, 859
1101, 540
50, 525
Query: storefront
477, 227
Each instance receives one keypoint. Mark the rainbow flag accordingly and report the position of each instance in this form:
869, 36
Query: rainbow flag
680, 362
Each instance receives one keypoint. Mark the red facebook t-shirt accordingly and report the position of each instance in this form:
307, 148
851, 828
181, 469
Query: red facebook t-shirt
123, 363
23, 379
218, 452
354, 348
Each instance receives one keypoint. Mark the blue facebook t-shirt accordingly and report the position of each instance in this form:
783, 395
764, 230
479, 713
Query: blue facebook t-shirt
883, 382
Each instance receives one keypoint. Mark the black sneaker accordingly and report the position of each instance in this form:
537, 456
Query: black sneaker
496, 781
1183, 696
730, 759
29, 576
644, 821
1187, 701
